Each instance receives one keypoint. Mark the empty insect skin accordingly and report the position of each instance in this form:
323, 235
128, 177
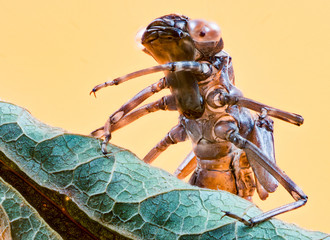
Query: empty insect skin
233, 149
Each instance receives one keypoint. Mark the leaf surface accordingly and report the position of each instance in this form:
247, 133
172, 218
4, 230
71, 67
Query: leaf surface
82, 194
18, 220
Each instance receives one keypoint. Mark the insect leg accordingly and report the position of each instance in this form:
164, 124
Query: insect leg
220, 97
196, 67
165, 103
131, 104
175, 135
187, 166
229, 131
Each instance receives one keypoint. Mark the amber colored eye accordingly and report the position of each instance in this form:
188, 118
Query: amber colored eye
201, 30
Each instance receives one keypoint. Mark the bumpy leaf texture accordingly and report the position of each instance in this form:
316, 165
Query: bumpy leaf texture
57, 185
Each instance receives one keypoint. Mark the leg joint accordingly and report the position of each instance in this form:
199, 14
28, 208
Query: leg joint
224, 129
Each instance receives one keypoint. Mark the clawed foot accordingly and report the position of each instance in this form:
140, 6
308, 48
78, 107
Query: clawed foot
103, 131
104, 148
99, 133
105, 144
93, 92
98, 87
102, 85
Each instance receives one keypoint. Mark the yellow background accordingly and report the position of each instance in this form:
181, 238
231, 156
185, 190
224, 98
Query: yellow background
52, 53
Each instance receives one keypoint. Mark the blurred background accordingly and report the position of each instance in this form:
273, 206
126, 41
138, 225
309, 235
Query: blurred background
52, 53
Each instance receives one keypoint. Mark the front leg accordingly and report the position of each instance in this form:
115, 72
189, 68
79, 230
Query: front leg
129, 106
204, 69
165, 103
227, 130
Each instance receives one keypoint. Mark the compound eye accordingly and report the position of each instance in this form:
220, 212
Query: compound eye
201, 30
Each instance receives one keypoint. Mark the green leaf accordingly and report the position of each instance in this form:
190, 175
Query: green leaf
82, 194
18, 220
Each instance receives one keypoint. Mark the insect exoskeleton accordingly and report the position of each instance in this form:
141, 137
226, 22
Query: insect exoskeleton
233, 148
